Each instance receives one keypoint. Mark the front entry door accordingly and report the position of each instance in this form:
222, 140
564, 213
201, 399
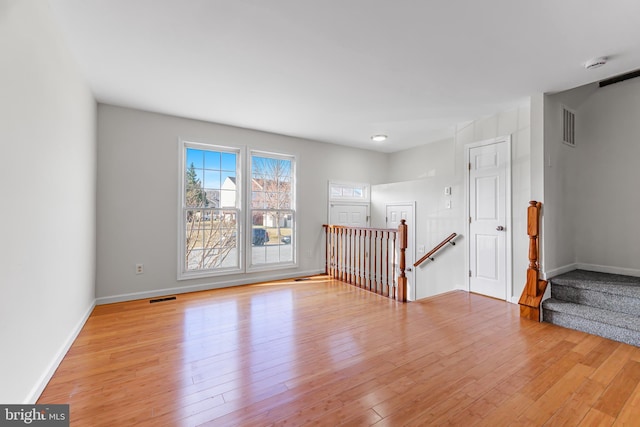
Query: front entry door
355, 215
394, 214
488, 166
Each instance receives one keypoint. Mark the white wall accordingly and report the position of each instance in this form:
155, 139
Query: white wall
607, 177
138, 196
591, 202
426, 161
47, 182
433, 222
560, 183
440, 164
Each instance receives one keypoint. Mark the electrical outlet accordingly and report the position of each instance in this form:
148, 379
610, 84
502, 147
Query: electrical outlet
139, 268
448, 204
421, 249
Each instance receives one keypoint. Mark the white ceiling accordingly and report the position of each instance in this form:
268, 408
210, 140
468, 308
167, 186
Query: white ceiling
342, 70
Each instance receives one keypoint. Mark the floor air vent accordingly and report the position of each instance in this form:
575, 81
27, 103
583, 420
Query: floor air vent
161, 299
568, 126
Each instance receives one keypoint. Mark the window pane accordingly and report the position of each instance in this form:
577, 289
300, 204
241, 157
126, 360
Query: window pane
258, 200
195, 158
212, 179
213, 198
211, 239
229, 195
349, 191
194, 192
212, 160
228, 199
229, 162
272, 237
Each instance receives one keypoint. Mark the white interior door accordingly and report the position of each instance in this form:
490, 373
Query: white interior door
395, 213
488, 166
354, 215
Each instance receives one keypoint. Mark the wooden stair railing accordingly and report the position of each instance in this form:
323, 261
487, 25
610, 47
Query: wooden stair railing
439, 246
367, 257
534, 288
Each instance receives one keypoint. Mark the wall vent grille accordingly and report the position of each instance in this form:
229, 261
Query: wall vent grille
568, 127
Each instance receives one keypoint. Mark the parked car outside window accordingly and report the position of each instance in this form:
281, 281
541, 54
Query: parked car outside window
260, 237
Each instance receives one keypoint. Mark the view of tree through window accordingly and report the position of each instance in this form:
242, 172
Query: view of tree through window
210, 210
272, 209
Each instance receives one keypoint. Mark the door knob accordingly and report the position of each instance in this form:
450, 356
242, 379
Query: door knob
500, 228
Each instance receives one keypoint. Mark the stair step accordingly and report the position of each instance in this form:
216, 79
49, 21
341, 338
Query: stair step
605, 323
601, 290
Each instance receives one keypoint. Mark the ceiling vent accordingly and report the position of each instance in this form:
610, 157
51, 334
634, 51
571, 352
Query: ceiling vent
568, 126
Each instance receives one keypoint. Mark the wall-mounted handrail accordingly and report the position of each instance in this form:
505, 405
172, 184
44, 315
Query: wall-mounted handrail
440, 245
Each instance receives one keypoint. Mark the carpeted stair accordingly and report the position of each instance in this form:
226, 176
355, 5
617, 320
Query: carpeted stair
602, 304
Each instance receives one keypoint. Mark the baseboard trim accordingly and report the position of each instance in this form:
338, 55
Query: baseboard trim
44, 379
609, 269
203, 287
560, 270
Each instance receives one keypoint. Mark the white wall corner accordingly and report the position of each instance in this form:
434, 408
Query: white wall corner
546, 275
46, 376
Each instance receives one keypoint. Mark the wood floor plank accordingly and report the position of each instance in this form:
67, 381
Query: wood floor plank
620, 389
630, 413
576, 408
595, 418
321, 352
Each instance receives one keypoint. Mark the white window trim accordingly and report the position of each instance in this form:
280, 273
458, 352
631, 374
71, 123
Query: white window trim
184, 274
247, 205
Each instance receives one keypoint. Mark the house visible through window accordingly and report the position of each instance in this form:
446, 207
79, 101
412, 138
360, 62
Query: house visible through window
272, 209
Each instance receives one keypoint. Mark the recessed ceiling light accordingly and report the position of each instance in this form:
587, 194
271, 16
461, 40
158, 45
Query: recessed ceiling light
595, 63
379, 138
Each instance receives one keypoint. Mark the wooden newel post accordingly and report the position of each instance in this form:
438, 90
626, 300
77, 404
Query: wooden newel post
534, 288
402, 278
533, 230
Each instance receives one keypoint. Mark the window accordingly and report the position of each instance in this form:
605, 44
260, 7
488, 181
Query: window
230, 218
210, 211
348, 192
272, 209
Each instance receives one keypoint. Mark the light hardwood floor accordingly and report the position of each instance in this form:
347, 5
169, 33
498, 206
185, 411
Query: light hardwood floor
320, 352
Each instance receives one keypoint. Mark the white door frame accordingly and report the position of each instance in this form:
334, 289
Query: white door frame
509, 235
411, 236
